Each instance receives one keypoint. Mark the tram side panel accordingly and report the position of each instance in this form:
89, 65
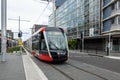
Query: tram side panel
44, 45
39, 48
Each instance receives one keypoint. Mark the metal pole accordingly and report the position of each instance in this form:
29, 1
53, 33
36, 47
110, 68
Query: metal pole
54, 13
3, 27
109, 45
19, 24
20, 37
83, 42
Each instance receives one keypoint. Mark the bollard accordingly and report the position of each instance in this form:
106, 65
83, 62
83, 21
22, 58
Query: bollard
107, 51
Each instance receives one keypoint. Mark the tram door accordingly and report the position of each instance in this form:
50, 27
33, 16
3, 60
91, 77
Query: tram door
43, 47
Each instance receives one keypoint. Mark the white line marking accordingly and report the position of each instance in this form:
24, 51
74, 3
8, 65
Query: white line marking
113, 57
32, 71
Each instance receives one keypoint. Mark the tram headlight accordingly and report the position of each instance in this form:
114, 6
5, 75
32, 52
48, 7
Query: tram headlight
61, 53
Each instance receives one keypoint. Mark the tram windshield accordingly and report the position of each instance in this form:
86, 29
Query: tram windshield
56, 40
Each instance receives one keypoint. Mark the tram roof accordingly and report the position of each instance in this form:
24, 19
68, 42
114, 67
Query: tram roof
47, 29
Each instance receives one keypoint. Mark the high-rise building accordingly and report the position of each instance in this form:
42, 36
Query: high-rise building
58, 3
98, 20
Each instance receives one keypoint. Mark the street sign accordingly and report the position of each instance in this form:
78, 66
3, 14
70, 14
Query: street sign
20, 43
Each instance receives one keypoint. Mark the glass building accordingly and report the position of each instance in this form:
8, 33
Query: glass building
58, 3
94, 18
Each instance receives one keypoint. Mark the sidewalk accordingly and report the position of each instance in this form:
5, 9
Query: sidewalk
13, 68
93, 54
20, 67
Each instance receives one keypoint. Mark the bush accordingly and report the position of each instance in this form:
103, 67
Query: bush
72, 43
10, 50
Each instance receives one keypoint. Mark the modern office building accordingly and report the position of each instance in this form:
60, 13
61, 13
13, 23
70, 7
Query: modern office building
98, 20
58, 3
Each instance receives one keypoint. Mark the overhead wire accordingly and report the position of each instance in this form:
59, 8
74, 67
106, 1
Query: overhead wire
43, 2
42, 12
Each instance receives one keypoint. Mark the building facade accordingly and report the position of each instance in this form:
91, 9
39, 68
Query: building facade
58, 3
111, 23
9, 34
37, 27
98, 20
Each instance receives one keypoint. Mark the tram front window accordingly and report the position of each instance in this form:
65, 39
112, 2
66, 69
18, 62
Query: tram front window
56, 40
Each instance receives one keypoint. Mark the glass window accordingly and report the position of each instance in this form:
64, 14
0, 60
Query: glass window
56, 40
35, 43
119, 4
118, 19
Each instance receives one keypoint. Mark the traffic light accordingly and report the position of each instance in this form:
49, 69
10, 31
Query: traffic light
20, 34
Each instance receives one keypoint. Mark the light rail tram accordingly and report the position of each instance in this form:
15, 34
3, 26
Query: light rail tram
50, 44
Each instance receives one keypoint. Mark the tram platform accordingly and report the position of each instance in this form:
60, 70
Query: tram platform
12, 68
19, 67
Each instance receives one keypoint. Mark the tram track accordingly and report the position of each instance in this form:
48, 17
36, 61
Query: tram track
78, 68
67, 73
69, 77
87, 71
62, 70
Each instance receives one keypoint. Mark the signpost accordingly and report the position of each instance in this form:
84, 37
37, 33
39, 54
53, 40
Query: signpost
20, 42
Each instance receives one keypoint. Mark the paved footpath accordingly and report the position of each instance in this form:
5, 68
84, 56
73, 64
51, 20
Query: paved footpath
13, 68
20, 67
93, 54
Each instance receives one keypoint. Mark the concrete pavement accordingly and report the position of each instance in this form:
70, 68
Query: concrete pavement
32, 71
12, 69
93, 54
20, 67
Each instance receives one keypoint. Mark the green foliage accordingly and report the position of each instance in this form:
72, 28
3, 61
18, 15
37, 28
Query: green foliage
17, 48
72, 43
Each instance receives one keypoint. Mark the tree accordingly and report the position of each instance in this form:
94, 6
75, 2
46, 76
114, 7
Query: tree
72, 43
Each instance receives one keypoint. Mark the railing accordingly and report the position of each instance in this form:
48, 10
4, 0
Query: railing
114, 12
115, 27
95, 50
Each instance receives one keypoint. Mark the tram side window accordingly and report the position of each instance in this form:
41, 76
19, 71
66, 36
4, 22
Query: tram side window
35, 44
43, 45
42, 42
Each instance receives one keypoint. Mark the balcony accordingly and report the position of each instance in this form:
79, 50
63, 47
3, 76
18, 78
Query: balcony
115, 27
115, 12
112, 1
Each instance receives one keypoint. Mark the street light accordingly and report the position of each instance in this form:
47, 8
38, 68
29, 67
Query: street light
3, 28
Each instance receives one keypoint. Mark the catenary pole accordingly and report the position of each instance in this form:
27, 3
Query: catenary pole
54, 13
20, 36
3, 28
19, 31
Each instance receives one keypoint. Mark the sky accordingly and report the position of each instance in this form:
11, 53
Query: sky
30, 10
